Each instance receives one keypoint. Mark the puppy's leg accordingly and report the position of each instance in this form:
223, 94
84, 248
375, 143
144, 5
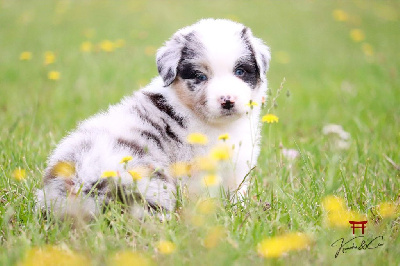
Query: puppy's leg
154, 194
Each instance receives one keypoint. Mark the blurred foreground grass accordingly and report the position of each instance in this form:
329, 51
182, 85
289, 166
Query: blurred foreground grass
341, 64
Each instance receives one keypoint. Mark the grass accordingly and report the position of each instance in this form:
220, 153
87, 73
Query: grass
329, 79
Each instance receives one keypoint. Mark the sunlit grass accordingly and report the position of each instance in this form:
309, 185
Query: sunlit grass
62, 61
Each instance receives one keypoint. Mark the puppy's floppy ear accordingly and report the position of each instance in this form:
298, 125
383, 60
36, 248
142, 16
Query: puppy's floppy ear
168, 58
263, 54
261, 51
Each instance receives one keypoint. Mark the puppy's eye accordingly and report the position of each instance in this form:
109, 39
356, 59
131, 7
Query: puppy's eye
201, 77
239, 72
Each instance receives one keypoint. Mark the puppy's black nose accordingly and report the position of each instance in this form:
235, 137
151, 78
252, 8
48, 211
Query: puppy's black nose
227, 102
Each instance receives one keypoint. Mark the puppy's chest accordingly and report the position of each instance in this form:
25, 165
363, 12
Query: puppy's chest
237, 137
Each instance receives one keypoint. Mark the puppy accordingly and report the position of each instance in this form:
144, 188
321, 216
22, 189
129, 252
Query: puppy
211, 76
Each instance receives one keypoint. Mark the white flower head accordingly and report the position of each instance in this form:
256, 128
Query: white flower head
290, 154
336, 129
343, 137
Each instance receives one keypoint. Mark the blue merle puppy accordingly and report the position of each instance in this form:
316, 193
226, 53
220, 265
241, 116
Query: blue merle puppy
209, 73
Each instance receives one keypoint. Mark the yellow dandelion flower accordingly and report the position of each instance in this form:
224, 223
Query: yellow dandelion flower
119, 43
150, 50
207, 206
198, 220
270, 118
126, 159
49, 58
166, 247
138, 173
282, 57
180, 169
25, 56
337, 214
107, 174
367, 49
277, 246
223, 137
214, 236
251, 104
341, 218
136, 176
129, 258
50, 255
107, 46
387, 209
197, 138
357, 35
19, 174
211, 180
86, 47
53, 75
220, 153
333, 203
339, 15
64, 169
204, 164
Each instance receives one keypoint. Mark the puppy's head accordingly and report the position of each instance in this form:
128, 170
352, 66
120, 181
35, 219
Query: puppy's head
215, 67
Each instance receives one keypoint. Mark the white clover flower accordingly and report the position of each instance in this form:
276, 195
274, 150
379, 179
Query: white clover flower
290, 154
343, 140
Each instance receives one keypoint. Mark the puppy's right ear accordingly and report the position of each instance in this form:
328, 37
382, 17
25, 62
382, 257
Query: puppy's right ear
168, 58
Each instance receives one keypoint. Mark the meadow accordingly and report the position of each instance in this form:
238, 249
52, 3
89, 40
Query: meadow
333, 62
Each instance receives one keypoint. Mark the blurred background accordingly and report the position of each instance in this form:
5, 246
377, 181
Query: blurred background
339, 58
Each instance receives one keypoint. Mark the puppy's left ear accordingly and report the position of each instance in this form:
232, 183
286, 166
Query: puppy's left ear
168, 58
261, 51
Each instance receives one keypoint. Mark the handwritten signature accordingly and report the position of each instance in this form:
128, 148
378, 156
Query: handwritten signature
345, 246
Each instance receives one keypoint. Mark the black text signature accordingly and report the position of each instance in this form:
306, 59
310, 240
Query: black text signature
347, 245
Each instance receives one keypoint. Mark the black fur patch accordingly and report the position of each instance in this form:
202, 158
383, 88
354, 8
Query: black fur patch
186, 69
161, 58
189, 52
151, 206
98, 186
169, 76
160, 102
189, 73
190, 47
149, 121
251, 75
264, 61
160, 175
170, 133
132, 146
150, 136
193, 47
249, 63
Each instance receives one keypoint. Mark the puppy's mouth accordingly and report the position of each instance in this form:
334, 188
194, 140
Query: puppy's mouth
229, 112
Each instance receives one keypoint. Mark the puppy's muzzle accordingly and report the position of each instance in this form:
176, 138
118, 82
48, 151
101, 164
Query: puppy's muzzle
227, 102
